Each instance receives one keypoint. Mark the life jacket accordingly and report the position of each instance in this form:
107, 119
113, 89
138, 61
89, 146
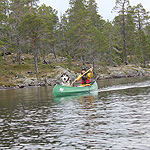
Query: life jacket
85, 80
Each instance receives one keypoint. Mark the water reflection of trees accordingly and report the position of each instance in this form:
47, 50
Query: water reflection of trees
11, 99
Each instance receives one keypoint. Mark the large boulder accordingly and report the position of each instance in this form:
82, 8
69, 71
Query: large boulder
128, 71
59, 71
52, 82
143, 72
117, 74
51, 58
131, 73
31, 82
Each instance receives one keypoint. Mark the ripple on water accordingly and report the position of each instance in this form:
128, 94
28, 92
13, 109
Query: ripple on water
116, 119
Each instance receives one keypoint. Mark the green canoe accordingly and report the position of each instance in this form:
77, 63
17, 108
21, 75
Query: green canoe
60, 90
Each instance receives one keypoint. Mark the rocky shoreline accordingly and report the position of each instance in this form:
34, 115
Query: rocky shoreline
55, 77
125, 71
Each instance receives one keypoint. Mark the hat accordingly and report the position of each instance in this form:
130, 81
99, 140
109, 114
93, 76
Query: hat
83, 69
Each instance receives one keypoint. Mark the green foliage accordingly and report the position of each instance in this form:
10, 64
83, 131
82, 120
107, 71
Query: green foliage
80, 34
31, 27
50, 19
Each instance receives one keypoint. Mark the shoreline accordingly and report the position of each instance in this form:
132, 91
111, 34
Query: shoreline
2, 88
54, 77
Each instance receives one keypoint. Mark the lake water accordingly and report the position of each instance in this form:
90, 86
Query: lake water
116, 117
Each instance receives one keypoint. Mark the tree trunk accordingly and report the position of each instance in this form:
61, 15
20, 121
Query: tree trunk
140, 35
35, 59
83, 59
110, 60
93, 56
4, 54
19, 51
54, 51
93, 61
124, 37
31, 8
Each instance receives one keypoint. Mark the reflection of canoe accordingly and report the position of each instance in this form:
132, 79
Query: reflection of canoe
77, 96
60, 90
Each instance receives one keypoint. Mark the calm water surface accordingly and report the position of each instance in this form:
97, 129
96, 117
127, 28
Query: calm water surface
116, 117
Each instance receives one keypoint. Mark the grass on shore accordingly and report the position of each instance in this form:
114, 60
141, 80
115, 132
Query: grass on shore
10, 70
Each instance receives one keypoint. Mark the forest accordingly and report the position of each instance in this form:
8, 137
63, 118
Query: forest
79, 34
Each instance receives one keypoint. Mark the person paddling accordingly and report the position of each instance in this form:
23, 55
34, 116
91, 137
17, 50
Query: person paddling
86, 78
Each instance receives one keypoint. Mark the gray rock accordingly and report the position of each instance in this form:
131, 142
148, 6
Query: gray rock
31, 82
132, 73
30, 72
52, 82
46, 61
20, 85
60, 71
117, 74
27, 81
57, 67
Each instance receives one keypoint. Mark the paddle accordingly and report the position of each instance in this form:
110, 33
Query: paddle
81, 76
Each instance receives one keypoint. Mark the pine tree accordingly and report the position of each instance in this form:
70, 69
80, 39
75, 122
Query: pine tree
18, 9
147, 34
64, 37
109, 36
78, 31
14, 19
4, 27
49, 17
31, 28
121, 6
140, 18
94, 28
131, 36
